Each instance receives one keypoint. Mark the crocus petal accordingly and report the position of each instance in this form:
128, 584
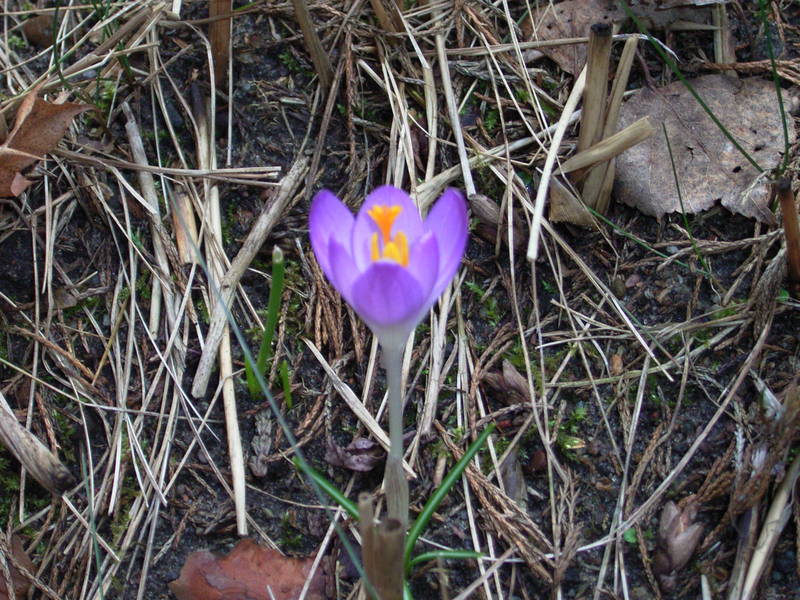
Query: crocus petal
328, 220
423, 264
408, 221
387, 296
448, 222
343, 270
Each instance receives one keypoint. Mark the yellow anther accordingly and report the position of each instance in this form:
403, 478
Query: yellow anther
394, 249
384, 217
374, 252
402, 244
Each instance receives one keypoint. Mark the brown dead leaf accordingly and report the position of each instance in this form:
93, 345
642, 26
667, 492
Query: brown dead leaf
573, 18
512, 387
38, 127
248, 572
20, 582
39, 30
708, 166
359, 455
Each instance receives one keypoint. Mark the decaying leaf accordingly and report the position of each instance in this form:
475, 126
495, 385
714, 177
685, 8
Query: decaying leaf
20, 582
249, 572
573, 18
39, 30
511, 385
38, 127
513, 479
678, 536
708, 166
359, 455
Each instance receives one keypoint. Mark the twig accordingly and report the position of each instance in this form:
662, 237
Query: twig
42, 464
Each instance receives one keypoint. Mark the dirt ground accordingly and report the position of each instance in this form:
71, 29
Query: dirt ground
647, 342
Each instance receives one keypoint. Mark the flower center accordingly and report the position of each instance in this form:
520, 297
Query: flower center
390, 248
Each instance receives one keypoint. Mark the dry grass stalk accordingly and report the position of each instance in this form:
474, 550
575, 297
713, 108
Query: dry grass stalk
791, 230
382, 547
229, 282
219, 35
595, 94
319, 57
214, 255
610, 147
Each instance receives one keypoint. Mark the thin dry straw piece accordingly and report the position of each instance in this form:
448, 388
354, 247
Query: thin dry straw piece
215, 258
268, 218
610, 147
547, 170
319, 57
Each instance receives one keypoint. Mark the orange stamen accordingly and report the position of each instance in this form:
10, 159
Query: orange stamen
384, 217
394, 248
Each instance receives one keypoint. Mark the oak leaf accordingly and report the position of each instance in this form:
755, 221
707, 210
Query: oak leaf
248, 572
38, 127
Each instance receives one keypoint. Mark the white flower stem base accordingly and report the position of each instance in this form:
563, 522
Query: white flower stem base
394, 482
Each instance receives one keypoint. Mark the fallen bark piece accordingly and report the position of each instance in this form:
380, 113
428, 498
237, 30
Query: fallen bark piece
248, 572
38, 127
709, 167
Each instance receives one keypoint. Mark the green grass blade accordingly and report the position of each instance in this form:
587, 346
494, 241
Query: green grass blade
686, 223
273, 308
445, 554
327, 487
439, 494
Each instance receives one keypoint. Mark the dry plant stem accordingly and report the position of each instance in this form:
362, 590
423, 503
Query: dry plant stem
251, 246
791, 231
34, 456
778, 515
547, 170
603, 192
611, 146
318, 55
395, 484
185, 227
594, 95
219, 33
382, 547
386, 22
213, 247
148, 189
594, 109
724, 50
748, 533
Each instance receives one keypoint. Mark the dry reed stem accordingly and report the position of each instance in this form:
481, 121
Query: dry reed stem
791, 231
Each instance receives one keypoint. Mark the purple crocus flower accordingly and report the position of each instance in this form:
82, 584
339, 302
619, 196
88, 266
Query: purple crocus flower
388, 263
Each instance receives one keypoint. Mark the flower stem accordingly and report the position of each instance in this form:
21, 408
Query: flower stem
395, 484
